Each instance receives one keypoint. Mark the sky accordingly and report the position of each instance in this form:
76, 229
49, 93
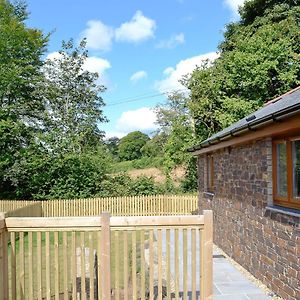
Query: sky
140, 48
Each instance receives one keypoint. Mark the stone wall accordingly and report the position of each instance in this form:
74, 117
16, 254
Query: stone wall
264, 242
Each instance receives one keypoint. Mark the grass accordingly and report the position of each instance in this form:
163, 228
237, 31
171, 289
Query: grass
117, 250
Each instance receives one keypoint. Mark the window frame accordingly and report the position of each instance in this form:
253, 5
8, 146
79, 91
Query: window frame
288, 201
210, 173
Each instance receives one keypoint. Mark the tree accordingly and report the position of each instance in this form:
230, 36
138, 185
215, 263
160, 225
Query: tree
259, 60
155, 146
130, 146
73, 106
176, 123
21, 49
112, 145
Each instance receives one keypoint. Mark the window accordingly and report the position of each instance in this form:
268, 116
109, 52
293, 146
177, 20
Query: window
286, 172
210, 173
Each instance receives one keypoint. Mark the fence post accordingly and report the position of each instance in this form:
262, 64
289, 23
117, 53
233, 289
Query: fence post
208, 255
105, 256
3, 259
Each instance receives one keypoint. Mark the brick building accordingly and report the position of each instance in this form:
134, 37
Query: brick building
249, 175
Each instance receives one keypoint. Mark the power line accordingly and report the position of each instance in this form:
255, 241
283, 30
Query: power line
138, 98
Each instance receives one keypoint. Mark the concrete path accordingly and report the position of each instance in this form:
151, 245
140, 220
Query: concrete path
229, 282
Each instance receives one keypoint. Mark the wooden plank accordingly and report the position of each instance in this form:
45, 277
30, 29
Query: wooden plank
48, 267
176, 258
159, 257
185, 271
143, 281
56, 266
74, 266
22, 266
208, 254
168, 268
91, 265
39, 265
126, 281
82, 266
151, 265
117, 266
105, 256
194, 263
99, 275
134, 268
65, 264
30, 266
13, 265
4, 237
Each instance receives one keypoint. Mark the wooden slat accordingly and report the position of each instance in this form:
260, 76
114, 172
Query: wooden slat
125, 242
65, 264
176, 258
48, 268
13, 265
91, 265
208, 254
168, 258
159, 257
82, 266
117, 264
133, 249
151, 265
105, 256
194, 263
30, 266
143, 282
39, 265
22, 266
56, 266
185, 273
99, 242
74, 267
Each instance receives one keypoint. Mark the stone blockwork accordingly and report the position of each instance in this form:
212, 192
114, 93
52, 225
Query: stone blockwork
266, 243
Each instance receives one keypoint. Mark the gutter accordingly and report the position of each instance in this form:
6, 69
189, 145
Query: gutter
272, 118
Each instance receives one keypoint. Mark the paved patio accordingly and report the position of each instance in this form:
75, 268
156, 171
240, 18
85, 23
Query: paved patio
231, 284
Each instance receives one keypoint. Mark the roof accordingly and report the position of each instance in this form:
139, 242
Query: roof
274, 110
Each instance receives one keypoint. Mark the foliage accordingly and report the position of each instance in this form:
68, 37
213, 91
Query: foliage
112, 145
259, 59
21, 49
154, 147
130, 146
73, 107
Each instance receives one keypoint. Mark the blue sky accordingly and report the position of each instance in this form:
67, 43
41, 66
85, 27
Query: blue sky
140, 48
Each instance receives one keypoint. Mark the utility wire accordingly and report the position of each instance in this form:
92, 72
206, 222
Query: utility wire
138, 98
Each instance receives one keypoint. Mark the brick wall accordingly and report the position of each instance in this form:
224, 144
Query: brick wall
265, 243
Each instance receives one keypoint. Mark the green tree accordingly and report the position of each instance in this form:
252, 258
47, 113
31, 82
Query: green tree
259, 59
21, 49
155, 146
73, 105
130, 146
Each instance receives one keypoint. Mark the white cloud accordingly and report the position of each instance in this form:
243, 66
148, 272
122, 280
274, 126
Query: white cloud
234, 5
172, 42
138, 76
143, 119
99, 36
138, 29
184, 67
92, 64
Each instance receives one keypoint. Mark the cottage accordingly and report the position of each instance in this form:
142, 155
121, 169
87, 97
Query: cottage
249, 175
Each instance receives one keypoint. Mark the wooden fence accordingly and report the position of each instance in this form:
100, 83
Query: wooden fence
149, 257
158, 205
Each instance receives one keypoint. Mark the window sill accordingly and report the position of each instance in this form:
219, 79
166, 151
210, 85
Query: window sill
284, 210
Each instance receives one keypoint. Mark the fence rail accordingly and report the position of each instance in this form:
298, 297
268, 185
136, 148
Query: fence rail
158, 205
105, 257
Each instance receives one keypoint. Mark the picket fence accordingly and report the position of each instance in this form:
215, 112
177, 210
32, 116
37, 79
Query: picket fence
149, 257
158, 205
